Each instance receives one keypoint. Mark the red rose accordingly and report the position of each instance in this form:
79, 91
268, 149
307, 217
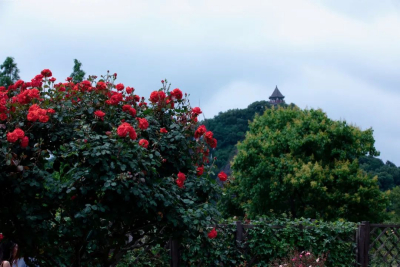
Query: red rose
222, 176
136, 98
18, 83
200, 170
200, 131
209, 135
3, 116
181, 176
156, 96
129, 89
24, 142
52, 79
68, 79
20, 133
143, 124
163, 130
2, 88
120, 87
179, 183
132, 111
177, 93
99, 113
143, 143
126, 108
162, 81
51, 111
124, 129
212, 142
46, 73
115, 76
43, 118
196, 111
12, 137
212, 234
101, 86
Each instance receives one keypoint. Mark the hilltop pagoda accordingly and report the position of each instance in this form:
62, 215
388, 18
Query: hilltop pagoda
276, 97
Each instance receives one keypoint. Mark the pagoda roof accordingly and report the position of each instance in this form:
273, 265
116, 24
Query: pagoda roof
276, 94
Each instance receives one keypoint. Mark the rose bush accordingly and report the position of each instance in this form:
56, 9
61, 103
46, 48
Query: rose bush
90, 171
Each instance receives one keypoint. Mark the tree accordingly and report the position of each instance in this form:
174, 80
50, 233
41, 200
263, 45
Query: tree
394, 207
8, 72
302, 163
77, 75
89, 171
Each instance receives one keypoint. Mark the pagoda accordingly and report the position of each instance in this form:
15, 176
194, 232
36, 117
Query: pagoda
276, 97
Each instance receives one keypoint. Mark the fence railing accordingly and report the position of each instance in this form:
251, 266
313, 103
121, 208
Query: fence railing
376, 244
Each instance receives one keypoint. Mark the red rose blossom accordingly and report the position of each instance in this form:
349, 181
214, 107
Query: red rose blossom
143, 143
179, 183
222, 176
143, 123
156, 96
52, 79
129, 90
212, 234
20, 133
124, 129
120, 87
12, 137
200, 170
99, 113
24, 142
177, 93
196, 111
46, 73
200, 131
163, 130
181, 176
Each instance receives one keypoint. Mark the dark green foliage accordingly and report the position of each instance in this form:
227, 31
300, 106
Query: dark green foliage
303, 163
394, 205
388, 174
9, 72
77, 75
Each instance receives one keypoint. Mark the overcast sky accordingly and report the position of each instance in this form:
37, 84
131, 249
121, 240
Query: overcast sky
342, 56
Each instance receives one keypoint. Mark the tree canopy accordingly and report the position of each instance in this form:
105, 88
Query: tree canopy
302, 163
9, 72
77, 75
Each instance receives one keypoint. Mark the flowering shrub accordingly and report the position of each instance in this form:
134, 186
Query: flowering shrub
90, 171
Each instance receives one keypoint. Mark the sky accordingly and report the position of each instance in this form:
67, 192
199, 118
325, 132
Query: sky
342, 56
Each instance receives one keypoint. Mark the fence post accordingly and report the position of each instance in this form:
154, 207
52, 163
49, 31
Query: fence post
363, 243
239, 232
174, 252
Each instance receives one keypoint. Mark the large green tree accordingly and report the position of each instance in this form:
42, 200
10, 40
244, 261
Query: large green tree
9, 72
77, 75
302, 163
